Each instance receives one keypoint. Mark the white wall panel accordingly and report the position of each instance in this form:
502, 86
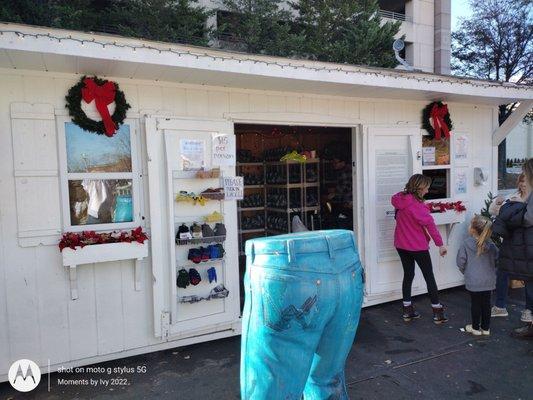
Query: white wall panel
174, 100
52, 299
218, 103
109, 307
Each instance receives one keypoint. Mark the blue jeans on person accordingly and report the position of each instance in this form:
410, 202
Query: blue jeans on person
529, 296
502, 288
304, 293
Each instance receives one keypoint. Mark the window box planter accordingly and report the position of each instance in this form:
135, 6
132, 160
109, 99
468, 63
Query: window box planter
448, 217
97, 253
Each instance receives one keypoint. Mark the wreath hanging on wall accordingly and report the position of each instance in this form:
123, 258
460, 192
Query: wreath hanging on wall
103, 92
436, 120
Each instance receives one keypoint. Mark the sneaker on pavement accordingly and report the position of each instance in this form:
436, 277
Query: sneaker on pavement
526, 316
475, 332
439, 317
524, 332
409, 313
485, 332
498, 312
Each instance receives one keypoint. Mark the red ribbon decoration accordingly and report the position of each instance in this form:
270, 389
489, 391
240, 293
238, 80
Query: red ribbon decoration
103, 96
438, 114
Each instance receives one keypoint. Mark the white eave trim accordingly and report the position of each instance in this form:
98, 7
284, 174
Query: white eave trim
111, 48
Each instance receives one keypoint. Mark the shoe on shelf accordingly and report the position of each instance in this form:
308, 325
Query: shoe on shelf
526, 316
499, 312
524, 332
196, 231
409, 313
220, 229
207, 231
475, 332
439, 317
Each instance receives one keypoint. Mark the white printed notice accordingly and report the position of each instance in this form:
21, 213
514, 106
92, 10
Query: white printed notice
224, 150
460, 181
233, 187
461, 147
392, 173
192, 154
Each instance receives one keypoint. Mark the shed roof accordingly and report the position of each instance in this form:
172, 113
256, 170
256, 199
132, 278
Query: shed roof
48, 49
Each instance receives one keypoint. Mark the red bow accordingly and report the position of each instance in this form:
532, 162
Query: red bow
103, 96
438, 114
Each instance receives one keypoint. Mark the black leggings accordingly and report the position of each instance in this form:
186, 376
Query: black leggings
423, 259
480, 310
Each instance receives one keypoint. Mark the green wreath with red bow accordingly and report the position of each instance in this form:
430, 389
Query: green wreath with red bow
436, 120
104, 93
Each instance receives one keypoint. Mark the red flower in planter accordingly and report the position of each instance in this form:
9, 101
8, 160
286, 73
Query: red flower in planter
86, 238
440, 207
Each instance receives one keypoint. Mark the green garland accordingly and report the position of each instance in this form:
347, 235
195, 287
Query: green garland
426, 114
79, 117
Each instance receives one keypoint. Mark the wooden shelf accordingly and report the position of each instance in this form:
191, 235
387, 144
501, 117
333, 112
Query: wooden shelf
251, 208
309, 161
249, 164
257, 230
292, 185
254, 186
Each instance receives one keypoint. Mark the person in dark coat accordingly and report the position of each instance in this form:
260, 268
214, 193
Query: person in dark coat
514, 224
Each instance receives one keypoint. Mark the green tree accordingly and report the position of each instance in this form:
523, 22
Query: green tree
496, 43
180, 21
258, 27
346, 31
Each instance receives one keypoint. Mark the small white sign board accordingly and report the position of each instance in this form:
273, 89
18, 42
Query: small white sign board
224, 150
233, 187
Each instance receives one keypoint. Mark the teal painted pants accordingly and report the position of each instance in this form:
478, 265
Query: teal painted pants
304, 293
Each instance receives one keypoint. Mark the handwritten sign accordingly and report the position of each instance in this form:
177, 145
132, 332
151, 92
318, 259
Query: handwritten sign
192, 154
233, 187
224, 150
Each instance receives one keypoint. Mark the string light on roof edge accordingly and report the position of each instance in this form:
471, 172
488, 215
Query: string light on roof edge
354, 70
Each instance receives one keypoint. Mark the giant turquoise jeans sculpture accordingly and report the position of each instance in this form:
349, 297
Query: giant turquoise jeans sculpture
303, 300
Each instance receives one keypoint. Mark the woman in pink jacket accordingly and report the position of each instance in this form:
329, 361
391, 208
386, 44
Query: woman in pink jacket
414, 228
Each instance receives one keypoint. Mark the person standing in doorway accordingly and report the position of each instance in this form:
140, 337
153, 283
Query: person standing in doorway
414, 228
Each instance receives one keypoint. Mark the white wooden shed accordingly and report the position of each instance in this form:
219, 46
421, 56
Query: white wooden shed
113, 309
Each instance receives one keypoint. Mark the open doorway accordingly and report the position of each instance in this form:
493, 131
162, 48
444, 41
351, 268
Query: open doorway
279, 185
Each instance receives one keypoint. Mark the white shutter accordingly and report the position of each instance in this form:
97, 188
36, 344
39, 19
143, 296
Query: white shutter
35, 167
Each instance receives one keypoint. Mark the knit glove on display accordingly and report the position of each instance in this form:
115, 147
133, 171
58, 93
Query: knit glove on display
212, 274
183, 279
194, 277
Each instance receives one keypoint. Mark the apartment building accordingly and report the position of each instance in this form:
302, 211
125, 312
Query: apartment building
426, 25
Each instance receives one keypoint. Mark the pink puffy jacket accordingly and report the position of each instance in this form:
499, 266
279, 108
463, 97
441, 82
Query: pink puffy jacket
413, 223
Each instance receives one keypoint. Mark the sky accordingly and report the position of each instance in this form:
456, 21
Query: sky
460, 8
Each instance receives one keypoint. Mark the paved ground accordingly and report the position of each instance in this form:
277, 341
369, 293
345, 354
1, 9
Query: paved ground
389, 360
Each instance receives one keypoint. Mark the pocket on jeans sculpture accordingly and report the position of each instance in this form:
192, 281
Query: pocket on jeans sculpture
287, 301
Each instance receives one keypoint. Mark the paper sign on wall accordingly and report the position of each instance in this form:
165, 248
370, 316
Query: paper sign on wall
460, 181
192, 154
224, 150
233, 187
461, 147
428, 156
